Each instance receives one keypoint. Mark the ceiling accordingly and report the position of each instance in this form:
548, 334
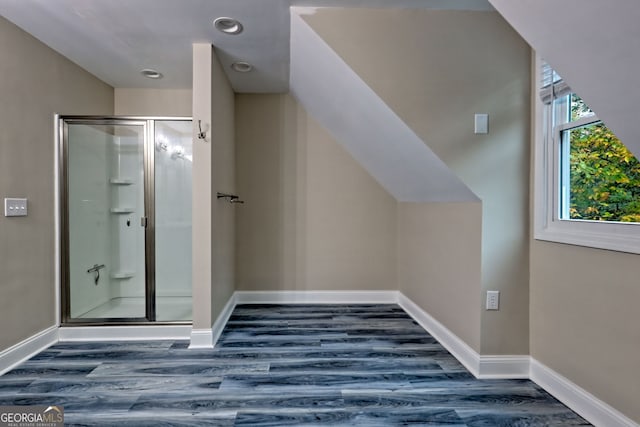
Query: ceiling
116, 39
593, 44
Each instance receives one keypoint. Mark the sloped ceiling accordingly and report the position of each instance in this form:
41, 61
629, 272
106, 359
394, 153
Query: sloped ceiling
356, 116
594, 45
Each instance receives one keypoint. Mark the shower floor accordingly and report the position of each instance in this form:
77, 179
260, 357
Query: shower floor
167, 309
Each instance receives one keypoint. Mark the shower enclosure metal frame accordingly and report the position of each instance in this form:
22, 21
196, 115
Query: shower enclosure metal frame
147, 221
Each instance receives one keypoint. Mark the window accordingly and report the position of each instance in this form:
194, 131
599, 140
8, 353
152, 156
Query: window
587, 184
599, 176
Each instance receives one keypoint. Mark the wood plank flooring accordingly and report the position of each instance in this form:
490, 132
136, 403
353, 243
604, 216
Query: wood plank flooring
281, 365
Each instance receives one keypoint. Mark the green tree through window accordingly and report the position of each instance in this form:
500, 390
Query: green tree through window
604, 175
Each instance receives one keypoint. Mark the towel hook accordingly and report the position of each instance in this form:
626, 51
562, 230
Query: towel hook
201, 135
231, 198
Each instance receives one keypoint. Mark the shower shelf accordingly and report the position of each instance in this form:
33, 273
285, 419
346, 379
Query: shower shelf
122, 275
121, 210
121, 181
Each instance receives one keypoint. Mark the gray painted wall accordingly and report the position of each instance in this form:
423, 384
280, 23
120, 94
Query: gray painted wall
580, 294
314, 219
153, 102
439, 263
213, 245
584, 319
435, 82
223, 164
35, 83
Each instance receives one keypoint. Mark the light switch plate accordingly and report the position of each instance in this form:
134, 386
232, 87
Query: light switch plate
481, 124
15, 207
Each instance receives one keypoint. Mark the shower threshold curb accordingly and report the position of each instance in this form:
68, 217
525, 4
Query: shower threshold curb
124, 333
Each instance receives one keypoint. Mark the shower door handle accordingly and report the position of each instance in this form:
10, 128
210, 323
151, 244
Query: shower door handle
143, 222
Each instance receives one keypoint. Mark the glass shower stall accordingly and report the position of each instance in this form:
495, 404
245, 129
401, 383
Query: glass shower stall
125, 219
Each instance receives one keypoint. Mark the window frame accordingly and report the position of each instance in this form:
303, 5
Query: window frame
548, 224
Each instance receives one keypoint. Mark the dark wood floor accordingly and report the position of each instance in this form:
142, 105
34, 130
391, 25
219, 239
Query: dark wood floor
281, 365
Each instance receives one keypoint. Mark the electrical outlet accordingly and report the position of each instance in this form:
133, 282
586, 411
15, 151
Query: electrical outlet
493, 300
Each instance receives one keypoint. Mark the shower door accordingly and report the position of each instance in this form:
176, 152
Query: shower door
107, 227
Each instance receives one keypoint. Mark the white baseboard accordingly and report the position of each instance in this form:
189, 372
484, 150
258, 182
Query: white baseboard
207, 338
506, 367
28, 348
201, 338
316, 297
594, 410
223, 318
481, 366
460, 350
124, 333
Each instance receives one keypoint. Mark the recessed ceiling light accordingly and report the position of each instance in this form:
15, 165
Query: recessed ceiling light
241, 67
228, 25
152, 74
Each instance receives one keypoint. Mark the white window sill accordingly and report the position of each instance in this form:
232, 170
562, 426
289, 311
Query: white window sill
610, 236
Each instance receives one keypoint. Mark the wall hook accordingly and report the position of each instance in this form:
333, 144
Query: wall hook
201, 135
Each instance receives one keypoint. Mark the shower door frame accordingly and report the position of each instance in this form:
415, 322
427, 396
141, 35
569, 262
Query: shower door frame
148, 123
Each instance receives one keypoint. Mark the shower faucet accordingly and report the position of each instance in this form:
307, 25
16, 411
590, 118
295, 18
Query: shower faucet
96, 270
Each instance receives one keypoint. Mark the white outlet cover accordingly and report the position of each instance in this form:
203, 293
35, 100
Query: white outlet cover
493, 300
